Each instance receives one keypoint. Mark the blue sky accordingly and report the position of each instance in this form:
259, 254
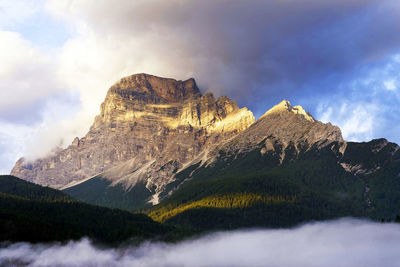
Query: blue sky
339, 59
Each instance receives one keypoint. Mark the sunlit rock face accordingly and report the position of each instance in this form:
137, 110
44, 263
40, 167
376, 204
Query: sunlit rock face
148, 128
294, 125
286, 107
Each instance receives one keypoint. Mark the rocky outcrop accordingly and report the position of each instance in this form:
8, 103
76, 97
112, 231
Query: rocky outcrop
148, 128
370, 157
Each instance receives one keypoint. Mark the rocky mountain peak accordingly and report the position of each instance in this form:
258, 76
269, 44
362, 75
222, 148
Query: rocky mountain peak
156, 89
285, 106
126, 99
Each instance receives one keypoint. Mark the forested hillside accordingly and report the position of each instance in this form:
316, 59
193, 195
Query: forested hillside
29, 212
247, 190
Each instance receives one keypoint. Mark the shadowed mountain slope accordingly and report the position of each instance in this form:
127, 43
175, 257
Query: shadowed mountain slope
29, 212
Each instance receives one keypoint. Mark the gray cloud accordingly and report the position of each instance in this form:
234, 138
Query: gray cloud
243, 48
345, 242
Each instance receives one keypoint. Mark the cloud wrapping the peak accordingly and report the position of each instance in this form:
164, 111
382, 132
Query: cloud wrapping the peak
345, 242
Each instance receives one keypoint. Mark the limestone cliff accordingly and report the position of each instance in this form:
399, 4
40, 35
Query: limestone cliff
148, 128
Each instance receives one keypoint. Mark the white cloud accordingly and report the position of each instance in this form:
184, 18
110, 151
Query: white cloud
26, 73
357, 120
15, 12
366, 106
56, 127
346, 242
30, 84
390, 85
13, 139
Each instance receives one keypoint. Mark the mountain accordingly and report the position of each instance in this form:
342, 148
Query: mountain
33, 213
148, 129
183, 158
285, 169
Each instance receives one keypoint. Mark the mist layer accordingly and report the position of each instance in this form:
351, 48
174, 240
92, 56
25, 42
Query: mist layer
345, 242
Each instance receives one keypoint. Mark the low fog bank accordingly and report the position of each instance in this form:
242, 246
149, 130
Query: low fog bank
345, 242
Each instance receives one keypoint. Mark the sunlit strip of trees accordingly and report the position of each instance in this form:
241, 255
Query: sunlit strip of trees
223, 201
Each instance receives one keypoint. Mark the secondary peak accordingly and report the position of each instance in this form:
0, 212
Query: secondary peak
285, 106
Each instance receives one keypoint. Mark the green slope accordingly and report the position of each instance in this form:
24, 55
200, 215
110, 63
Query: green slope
32, 213
15, 186
98, 191
311, 185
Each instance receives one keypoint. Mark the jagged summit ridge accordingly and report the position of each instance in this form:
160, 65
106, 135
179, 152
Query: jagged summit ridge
285, 106
157, 89
174, 104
